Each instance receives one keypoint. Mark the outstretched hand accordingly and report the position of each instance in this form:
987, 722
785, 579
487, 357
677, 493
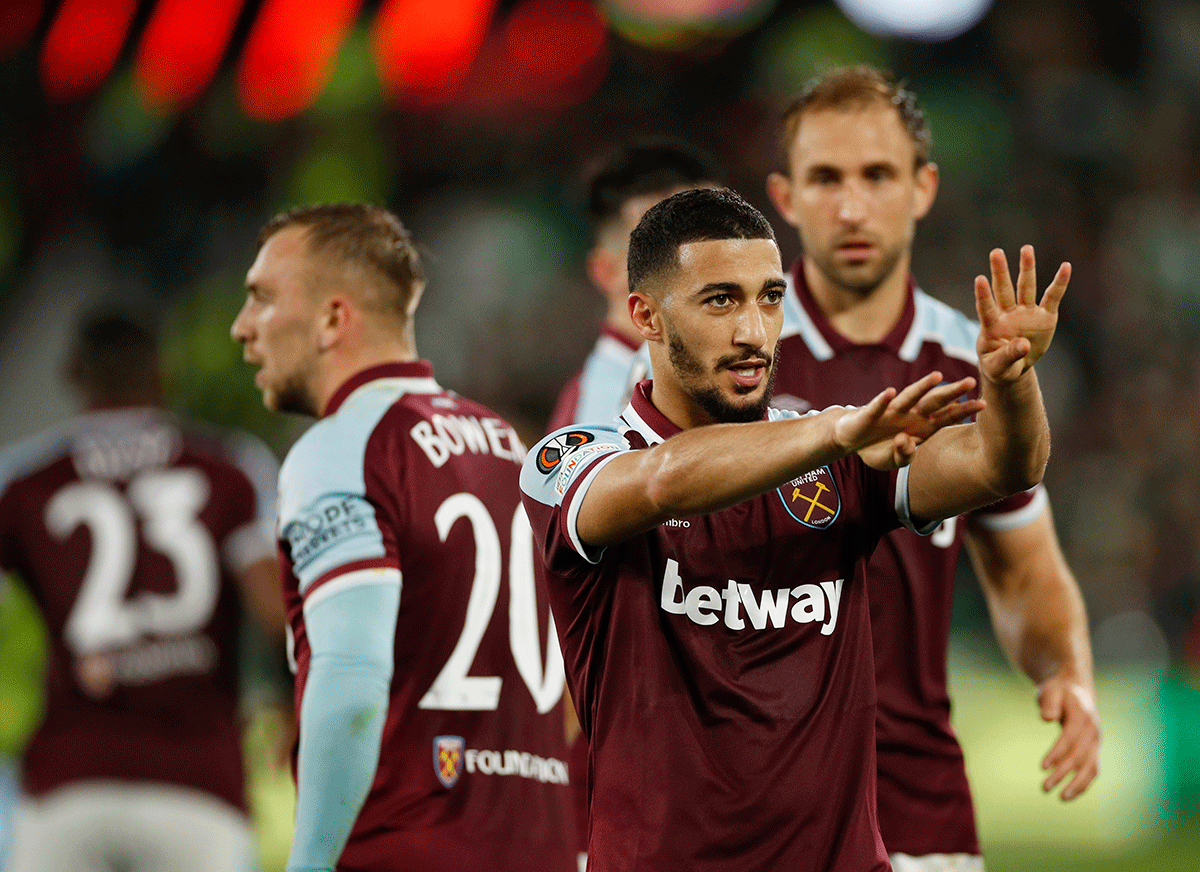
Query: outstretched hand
1015, 330
886, 431
1076, 753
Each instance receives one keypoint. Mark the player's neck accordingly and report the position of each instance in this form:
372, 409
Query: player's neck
863, 317
339, 365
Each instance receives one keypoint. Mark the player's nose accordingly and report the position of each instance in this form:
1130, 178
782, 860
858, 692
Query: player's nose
852, 205
751, 327
239, 330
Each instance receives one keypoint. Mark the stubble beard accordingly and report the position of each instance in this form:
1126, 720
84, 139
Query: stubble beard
860, 283
292, 396
692, 374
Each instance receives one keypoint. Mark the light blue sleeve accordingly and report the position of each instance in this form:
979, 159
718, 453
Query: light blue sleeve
342, 714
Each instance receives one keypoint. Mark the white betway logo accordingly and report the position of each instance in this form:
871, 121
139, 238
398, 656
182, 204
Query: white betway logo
704, 605
522, 763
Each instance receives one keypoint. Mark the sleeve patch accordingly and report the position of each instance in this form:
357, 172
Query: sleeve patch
554, 449
330, 522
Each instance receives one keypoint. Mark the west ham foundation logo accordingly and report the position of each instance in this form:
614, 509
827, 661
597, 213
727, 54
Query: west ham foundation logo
559, 447
812, 499
448, 758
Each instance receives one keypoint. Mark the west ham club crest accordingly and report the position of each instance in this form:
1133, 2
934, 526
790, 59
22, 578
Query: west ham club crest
448, 758
813, 498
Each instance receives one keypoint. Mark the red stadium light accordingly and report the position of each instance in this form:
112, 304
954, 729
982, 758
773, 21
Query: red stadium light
556, 51
424, 48
83, 45
289, 55
181, 49
18, 18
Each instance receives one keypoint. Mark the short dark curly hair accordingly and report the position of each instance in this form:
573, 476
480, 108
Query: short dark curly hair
696, 215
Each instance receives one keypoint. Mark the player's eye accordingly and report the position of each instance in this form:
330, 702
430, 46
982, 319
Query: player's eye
718, 300
773, 296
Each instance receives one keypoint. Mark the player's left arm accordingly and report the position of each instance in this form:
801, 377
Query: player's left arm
351, 634
1040, 621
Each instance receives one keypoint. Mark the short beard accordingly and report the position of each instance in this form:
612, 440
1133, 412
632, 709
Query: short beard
708, 397
863, 287
292, 396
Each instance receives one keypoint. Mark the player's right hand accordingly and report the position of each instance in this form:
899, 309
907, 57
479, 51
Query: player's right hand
885, 432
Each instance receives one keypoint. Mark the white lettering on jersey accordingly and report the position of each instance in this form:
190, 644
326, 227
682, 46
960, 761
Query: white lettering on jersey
704, 605
522, 763
445, 435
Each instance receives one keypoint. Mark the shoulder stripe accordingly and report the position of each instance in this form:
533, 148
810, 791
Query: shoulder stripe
573, 511
318, 593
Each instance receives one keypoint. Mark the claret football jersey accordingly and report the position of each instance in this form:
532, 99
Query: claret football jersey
924, 799
404, 481
721, 664
128, 528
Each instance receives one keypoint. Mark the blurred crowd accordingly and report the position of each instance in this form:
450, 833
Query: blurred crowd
1070, 126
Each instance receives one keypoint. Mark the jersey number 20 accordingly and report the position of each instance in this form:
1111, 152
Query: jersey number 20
454, 689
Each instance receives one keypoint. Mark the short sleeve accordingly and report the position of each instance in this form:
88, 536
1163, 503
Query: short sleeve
554, 479
327, 523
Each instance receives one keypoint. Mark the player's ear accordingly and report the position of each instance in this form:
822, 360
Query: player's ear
927, 186
334, 319
644, 313
779, 192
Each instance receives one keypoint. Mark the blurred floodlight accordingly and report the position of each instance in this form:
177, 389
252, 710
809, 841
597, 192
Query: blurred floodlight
82, 46
289, 56
916, 19
424, 49
556, 52
679, 23
181, 48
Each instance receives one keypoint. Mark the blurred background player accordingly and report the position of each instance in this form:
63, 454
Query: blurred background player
858, 179
141, 538
429, 682
625, 183
621, 187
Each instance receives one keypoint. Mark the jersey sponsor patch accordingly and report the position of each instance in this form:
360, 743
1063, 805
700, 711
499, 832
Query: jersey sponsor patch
448, 758
813, 498
571, 463
558, 447
328, 522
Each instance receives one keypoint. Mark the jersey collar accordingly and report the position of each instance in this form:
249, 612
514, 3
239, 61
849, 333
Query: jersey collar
834, 340
643, 417
416, 377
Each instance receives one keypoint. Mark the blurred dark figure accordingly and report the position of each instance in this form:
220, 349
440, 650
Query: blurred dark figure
141, 538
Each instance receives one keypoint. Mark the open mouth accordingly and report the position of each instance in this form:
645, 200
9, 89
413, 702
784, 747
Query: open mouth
749, 374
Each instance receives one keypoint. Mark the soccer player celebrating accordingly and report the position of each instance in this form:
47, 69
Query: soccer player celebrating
627, 182
859, 178
430, 723
706, 555
141, 537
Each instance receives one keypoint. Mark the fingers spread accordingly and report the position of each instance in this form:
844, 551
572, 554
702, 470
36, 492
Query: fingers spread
1002, 284
1027, 278
1058, 287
